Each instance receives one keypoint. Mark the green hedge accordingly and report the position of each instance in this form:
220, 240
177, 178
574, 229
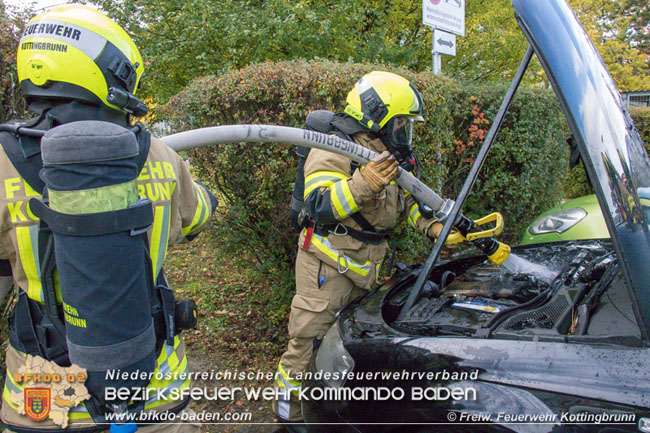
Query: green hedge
641, 117
522, 177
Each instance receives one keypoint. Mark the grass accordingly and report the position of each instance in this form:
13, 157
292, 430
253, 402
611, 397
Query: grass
242, 323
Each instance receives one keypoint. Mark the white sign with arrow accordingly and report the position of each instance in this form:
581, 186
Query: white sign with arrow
444, 43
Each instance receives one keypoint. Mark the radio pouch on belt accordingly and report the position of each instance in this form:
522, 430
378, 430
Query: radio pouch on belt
99, 227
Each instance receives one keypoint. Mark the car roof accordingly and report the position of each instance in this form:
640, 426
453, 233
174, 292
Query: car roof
609, 145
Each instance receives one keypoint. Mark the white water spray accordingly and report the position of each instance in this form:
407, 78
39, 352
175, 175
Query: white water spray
519, 265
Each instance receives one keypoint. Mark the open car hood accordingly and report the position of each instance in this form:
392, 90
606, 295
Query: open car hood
609, 145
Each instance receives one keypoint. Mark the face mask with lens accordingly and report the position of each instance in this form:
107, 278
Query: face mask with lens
397, 136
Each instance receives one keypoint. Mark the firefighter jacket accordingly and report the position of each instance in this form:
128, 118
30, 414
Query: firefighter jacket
333, 193
181, 209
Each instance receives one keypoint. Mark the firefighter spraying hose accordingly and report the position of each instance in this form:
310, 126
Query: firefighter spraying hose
345, 212
467, 230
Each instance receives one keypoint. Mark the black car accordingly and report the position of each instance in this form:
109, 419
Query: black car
557, 340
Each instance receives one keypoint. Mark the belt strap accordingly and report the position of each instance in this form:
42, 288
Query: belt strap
137, 218
372, 237
169, 310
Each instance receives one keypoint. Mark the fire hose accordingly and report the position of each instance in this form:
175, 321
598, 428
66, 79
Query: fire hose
438, 207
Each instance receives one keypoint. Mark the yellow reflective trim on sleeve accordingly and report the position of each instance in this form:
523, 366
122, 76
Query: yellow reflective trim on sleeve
80, 415
164, 379
173, 360
6, 395
414, 215
10, 383
159, 238
172, 378
322, 179
342, 199
182, 367
159, 402
201, 214
325, 247
27, 238
177, 342
161, 357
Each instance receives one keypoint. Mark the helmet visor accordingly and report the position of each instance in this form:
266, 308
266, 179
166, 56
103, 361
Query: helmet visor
400, 131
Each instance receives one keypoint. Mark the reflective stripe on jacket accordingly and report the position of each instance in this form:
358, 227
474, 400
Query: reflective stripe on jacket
332, 194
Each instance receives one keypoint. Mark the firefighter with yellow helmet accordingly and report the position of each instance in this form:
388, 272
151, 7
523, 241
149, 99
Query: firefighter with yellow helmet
114, 198
346, 218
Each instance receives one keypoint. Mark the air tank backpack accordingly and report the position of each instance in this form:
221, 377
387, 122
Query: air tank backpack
93, 230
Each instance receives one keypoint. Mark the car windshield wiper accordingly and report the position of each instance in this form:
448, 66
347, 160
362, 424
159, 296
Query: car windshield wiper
589, 305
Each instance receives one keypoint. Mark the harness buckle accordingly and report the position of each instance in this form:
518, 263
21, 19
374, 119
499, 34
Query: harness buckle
336, 230
338, 264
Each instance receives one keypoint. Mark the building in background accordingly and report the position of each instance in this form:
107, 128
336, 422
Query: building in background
636, 99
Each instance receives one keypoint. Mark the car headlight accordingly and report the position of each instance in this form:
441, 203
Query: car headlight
558, 222
332, 360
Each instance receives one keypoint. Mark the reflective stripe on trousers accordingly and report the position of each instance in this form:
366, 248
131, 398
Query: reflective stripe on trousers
287, 386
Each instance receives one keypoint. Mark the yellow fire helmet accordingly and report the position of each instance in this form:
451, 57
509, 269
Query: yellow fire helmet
77, 52
381, 96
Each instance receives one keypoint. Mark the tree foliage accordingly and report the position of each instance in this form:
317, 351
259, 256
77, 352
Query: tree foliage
184, 40
639, 31
12, 105
493, 45
620, 31
199, 37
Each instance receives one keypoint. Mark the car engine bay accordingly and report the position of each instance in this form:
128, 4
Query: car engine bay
555, 291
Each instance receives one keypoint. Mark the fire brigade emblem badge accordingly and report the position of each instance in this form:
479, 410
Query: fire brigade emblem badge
37, 403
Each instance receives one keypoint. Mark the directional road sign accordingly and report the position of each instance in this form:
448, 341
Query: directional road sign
444, 43
446, 15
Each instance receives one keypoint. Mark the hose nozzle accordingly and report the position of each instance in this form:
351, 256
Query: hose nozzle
501, 254
496, 251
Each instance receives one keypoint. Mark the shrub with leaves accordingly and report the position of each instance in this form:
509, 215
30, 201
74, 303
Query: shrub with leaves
523, 175
12, 105
641, 117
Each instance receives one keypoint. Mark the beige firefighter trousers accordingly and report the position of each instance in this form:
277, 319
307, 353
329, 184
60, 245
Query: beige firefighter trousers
321, 291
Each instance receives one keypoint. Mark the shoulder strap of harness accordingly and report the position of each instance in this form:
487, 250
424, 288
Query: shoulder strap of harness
144, 143
357, 217
24, 151
343, 126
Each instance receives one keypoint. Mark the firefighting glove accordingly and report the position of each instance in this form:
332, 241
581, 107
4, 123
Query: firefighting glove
434, 230
380, 171
452, 240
